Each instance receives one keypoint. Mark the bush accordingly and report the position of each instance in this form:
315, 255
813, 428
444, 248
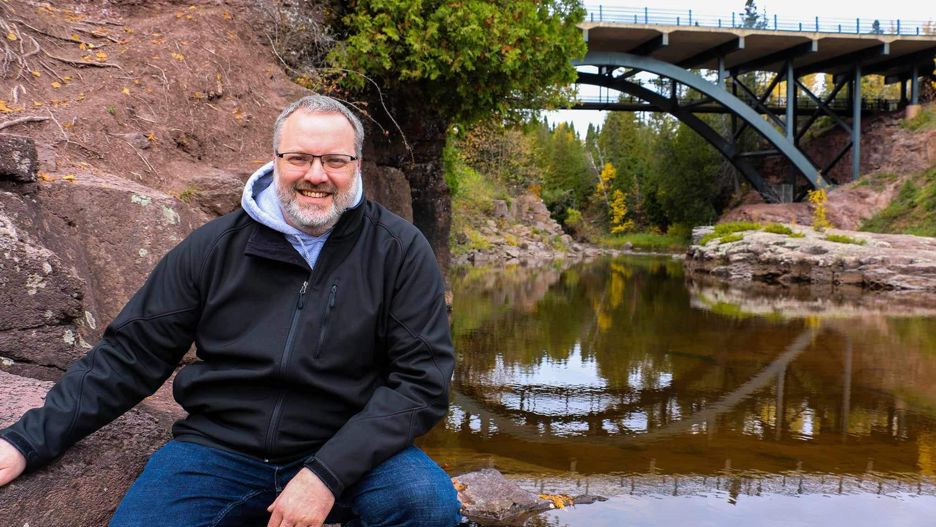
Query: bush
777, 228
841, 238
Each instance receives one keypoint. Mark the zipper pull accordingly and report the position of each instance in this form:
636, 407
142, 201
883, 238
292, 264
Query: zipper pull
302, 293
331, 297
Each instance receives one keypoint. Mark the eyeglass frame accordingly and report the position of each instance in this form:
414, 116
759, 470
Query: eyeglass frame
320, 157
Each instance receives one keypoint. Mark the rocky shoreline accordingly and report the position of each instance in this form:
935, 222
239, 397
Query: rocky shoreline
872, 262
522, 233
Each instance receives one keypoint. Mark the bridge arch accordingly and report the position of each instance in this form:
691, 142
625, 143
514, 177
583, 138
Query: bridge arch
608, 62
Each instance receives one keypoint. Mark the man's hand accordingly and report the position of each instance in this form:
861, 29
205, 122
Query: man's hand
12, 463
305, 502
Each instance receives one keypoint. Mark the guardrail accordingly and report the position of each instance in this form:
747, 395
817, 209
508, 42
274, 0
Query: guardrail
682, 17
774, 103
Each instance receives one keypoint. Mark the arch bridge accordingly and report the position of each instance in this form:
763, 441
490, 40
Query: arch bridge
699, 64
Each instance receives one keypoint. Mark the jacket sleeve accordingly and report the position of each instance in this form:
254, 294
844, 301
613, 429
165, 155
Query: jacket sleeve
138, 352
418, 344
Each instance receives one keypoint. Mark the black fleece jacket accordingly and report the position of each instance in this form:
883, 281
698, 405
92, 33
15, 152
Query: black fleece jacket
341, 366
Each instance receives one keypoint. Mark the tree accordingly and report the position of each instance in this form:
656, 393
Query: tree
750, 18
442, 63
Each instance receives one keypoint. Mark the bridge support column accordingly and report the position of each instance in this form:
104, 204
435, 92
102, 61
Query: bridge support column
913, 109
856, 124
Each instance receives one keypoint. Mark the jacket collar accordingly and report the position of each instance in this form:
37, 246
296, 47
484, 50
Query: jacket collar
268, 243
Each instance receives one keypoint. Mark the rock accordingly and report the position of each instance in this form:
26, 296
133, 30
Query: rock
214, 191
487, 497
19, 161
111, 232
137, 140
84, 486
389, 187
42, 329
883, 261
500, 209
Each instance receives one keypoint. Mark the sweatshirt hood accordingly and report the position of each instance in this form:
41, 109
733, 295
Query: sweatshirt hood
260, 202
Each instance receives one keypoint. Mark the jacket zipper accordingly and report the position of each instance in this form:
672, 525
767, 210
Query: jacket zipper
287, 351
324, 327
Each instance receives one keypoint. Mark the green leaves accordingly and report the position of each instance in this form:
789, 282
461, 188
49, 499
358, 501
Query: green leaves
472, 58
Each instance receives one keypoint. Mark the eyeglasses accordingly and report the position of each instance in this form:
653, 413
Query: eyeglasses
303, 161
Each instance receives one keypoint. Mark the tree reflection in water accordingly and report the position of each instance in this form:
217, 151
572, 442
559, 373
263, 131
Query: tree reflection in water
616, 367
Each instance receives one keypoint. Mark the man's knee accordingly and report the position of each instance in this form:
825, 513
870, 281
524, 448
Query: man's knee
428, 503
408, 489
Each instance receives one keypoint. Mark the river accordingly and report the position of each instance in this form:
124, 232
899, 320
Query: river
688, 404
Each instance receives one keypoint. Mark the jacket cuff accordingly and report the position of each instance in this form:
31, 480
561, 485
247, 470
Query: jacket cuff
326, 475
20, 443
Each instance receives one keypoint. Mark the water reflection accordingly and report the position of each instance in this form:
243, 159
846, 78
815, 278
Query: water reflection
618, 368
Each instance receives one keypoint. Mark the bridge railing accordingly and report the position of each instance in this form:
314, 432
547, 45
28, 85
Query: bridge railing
597, 12
775, 103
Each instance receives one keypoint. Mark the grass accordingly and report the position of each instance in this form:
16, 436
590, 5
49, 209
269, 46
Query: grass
731, 227
913, 210
924, 120
877, 181
647, 241
188, 193
777, 228
841, 238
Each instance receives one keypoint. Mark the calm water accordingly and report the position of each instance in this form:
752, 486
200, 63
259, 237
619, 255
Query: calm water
688, 404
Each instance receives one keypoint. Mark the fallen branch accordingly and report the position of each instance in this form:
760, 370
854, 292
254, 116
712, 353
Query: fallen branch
79, 64
23, 120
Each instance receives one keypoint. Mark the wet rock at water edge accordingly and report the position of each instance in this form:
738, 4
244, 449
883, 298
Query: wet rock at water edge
490, 499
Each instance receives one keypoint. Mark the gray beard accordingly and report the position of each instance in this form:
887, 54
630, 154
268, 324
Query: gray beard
315, 221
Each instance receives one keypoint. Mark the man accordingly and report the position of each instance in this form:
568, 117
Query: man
324, 349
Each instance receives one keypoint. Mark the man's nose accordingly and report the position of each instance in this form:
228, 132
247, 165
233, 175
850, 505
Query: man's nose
316, 172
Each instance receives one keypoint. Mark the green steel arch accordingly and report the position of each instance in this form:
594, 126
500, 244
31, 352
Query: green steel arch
718, 94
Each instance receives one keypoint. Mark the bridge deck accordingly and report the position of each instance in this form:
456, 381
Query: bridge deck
834, 52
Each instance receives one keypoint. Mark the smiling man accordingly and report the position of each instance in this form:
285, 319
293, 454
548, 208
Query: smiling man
324, 349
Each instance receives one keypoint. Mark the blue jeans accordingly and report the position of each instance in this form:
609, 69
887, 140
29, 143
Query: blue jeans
190, 485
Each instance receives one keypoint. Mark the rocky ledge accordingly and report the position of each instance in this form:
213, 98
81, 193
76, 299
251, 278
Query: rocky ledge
835, 257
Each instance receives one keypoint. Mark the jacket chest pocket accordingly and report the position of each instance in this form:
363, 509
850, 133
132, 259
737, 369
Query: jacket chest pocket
327, 318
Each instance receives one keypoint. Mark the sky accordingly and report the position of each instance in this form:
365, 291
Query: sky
805, 10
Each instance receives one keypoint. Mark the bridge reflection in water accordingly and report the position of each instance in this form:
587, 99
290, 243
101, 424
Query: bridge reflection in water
618, 375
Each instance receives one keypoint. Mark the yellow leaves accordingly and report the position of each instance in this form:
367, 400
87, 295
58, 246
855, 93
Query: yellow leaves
228, 16
75, 37
83, 46
100, 56
11, 36
45, 176
37, 104
238, 114
56, 84
4, 108
458, 486
151, 137
818, 199
36, 73
67, 78
178, 56
81, 97
69, 177
557, 501
125, 91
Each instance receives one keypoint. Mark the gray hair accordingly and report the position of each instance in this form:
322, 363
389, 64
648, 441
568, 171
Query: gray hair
321, 104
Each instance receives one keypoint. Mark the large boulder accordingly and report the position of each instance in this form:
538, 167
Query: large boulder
111, 232
388, 186
41, 332
84, 486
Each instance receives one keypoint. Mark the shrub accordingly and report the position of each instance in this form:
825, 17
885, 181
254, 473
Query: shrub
818, 199
777, 228
841, 238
